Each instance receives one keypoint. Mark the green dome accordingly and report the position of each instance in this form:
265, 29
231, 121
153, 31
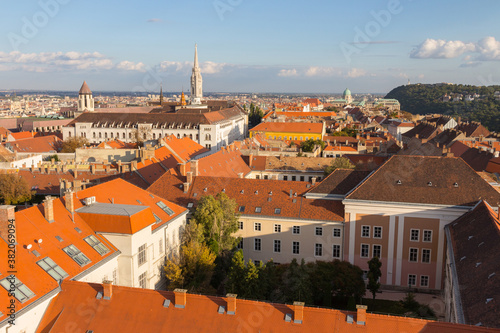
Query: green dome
347, 92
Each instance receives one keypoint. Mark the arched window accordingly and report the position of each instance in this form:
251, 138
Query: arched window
105, 135
208, 137
145, 136
123, 135
93, 135
100, 135
69, 134
191, 136
178, 136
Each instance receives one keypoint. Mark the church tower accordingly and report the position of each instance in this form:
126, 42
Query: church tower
85, 100
196, 81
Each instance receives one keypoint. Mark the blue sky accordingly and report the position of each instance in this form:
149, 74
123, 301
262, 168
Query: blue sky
320, 46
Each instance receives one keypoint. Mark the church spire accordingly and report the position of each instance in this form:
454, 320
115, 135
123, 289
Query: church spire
161, 93
196, 81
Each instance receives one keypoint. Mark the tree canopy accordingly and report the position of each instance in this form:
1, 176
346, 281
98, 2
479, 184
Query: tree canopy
14, 189
71, 144
339, 163
374, 275
308, 145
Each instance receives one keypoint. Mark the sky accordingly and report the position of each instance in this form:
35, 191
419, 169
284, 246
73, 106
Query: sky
318, 46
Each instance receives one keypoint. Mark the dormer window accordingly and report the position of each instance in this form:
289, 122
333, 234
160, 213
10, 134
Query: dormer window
429, 184
398, 182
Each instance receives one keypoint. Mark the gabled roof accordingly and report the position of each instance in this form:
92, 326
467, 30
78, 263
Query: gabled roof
477, 158
31, 225
475, 237
314, 128
184, 148
473, 129
251, 194
21, 135
426, 180
423, 130
224, 163
125, 312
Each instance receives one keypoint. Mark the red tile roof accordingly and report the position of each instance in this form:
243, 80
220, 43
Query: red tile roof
142, 310
41, 144
224, 163
21, 135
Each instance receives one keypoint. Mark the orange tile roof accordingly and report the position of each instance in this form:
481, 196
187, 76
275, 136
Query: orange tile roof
119, 191
21, 135
150, 170
143, 310
116, 144
315, 128
41, 144
121, 224
340, 148
31, 225
295, 114
185, 148
224, 163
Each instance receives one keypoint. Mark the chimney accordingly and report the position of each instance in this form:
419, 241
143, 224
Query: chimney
48, 205
231, 303
7, 214
133, 166
119, 163
361, 314
186, 187
69, 201
250, 160
107, 167
189, 177
92, 168
182, 169
313, 180
108, 289
75, 173
298, 312
180, 298
194, 167
291, 193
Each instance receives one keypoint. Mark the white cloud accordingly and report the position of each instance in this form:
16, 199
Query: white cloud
59, 61
356, 72
210, 67
154, 20
288, 72
323, 71
441, 49
486, 49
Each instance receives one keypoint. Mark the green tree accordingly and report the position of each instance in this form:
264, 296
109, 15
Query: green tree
193, 269
14, 189
374, 275
252, 288
219, 220
296, 283
236, 274
308, 145
339, 163
71, 144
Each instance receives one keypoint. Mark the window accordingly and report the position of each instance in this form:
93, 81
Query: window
365, 249
277, 228
258, 209
141, 257
52, 269
257, 226
296, 230
240, 225
165, 208
257, 244
413, 254
377, 232
295, 247
377, 251
301, 178
318, 250
414, 235
319, 231
240, 244
190, 205
142, 280
266, 177
294, 178
336, 232
160, 246
336, 251
80, 258
365, 231
241, 209
424, 281
21, 292
277, 246
277, 210
427, 236
426, 255
285, 177
412, 280
97, 245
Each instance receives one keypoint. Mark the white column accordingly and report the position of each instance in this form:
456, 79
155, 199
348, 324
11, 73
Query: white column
399, 254
352, 236
390, 250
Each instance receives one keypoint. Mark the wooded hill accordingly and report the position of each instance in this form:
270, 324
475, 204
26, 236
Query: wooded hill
428, 99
